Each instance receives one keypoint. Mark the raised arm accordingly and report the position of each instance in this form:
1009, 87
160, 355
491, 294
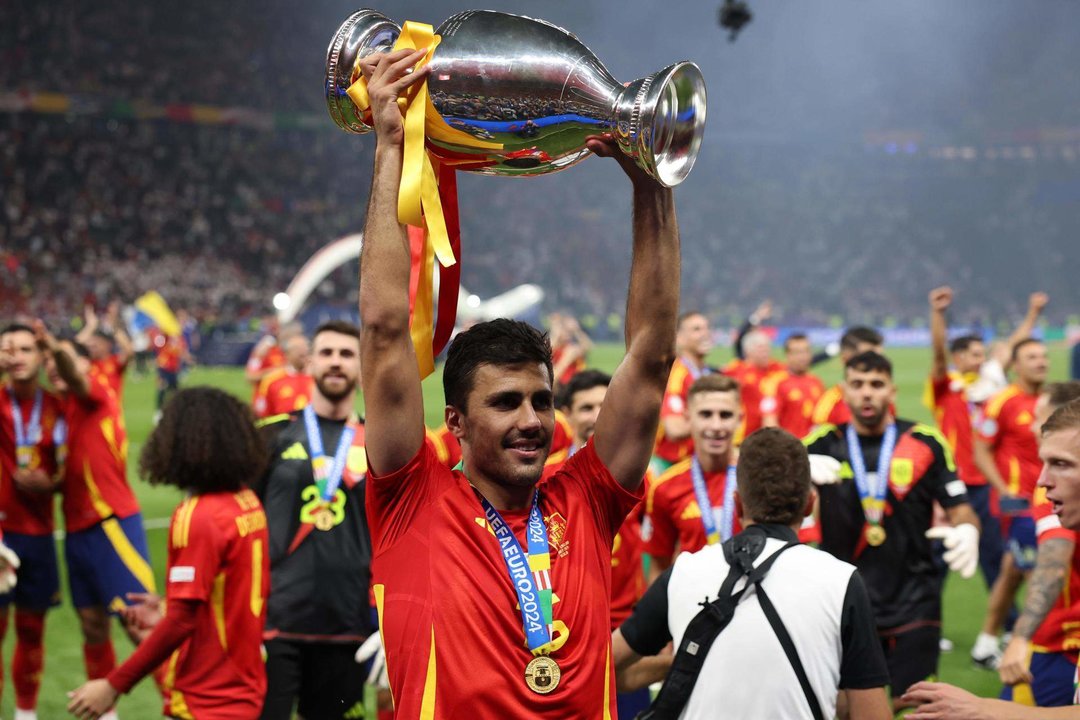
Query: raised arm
394, 407
762, 313
1036, 303
65, 361
626, 427
90, 325
123, 341
940, 299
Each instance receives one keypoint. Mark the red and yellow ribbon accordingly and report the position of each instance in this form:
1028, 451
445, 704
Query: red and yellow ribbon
427, 203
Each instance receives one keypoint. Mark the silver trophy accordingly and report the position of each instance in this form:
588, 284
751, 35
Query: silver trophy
535, 90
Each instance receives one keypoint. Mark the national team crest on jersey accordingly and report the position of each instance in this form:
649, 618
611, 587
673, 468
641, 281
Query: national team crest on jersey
556, 524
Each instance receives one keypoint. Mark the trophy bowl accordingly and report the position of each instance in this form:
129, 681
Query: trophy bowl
525, 95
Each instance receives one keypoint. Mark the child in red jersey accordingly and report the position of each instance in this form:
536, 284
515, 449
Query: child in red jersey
218, 573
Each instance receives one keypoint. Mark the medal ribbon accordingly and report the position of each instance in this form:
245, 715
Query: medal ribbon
695, 372
60, 441
26, 436
327, 476
873, 498
713, 534
531, 579
427, 201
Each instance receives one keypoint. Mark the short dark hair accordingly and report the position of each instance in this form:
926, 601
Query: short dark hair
1066, 417
963, 342
342, 327
205, 442
103, 334
773, 477
495, 342
1022, 344
1062, 393
16, 327
869, 361
80, 349
582, 381
860, 334
793, 337
686, 316
713, 382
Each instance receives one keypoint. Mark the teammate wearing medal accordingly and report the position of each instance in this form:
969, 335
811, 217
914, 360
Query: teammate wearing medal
690, 506
105, 547
319, 610
879, 478
831, 408
471, 626
693, 341
218, 573
32, 435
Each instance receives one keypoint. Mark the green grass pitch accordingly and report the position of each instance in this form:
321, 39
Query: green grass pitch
964, 600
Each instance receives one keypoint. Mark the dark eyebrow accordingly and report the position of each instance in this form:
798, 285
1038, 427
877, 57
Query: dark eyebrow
506, 397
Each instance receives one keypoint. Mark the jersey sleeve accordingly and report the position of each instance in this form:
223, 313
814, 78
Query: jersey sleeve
394, 500
1047, 524
659, 532
862, 662
948, 489
674, 395
989, 430
939, 388
610, 501
196, 549
646, 631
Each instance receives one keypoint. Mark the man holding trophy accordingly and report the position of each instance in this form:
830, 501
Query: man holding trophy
492, 592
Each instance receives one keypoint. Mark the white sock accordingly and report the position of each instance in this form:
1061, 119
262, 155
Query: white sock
985, 644
111, 715
25, 714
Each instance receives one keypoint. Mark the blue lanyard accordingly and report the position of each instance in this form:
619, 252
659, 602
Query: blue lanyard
531, 580
26, 436
708, 517
327, 477
872, 493
693, 369
60, 440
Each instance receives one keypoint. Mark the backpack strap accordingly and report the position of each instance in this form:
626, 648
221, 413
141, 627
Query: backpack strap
789, 649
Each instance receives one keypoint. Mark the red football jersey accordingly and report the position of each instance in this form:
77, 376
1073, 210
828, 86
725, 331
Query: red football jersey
571, 370
753, 384
1060, 629
1006, 427
954, 416
796, 397
218, 555
111, 369
455, 645
831, 408
675, 397
271, 359
448, 449
23, 512
672, 513
95, 475
170, 351
282, 392
627, 571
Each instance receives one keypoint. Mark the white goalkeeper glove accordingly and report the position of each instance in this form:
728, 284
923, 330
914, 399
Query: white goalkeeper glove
372, 649
824, 470
9, 563
961, 547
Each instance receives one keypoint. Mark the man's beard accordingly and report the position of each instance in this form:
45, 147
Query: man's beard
334, 396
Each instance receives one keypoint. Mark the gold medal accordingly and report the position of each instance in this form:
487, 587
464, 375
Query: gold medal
324, 519
24, 455
875, 535
542, 674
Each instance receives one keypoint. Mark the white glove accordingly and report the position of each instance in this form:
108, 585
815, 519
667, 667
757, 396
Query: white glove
824, 470
961, 547
9, 563
372, 650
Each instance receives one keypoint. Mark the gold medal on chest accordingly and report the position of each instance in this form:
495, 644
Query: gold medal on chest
542, 674
875, 535
324, 519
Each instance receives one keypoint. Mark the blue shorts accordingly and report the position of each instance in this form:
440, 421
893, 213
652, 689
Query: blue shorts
1020, 541
38, 587
107, 561
169, 380
1051, 685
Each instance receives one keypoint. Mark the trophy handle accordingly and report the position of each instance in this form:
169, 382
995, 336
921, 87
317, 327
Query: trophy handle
660, 121
363, 33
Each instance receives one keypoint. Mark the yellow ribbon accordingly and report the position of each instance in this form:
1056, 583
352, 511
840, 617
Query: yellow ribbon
419, 203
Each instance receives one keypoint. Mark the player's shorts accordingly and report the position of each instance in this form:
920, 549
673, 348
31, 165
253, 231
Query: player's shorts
632, 703
107, 561
169, 379
1052, 676
38, 586
1020, 542
911, 653
324, 677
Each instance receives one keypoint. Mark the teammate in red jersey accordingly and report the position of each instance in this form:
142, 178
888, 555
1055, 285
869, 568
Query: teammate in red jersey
795, 393
172, 354
469, 628
218, 571
693, 341
289, 387
831, 408
1046, 637
1007, 453
105, 547
109, 345
675, 520
268, 353
569, 348
756, 372
32, 435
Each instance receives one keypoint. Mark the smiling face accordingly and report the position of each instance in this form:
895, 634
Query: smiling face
583, 410
1032, 363
506, 426
714, 417
693, 336
335, 364
1060, 451
23, 355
